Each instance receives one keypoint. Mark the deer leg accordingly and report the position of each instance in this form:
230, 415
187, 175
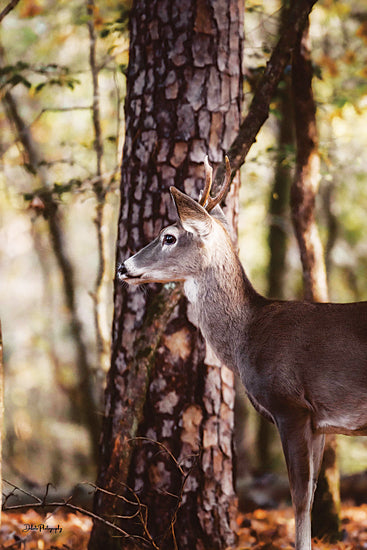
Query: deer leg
303, 452
318, 445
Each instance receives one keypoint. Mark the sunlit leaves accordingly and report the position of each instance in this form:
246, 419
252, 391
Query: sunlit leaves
362, 31
23, 73
118, 25
30, 8
55, 191
339, 36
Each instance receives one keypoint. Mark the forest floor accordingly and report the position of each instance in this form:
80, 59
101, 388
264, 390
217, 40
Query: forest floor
259, 530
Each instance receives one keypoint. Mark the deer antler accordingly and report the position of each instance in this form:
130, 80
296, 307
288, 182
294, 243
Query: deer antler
205, 200
208, 182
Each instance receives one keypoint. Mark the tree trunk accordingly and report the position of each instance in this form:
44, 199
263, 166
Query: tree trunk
1, 415
83, 396
259, 109
325, 517
168, 425
277, 239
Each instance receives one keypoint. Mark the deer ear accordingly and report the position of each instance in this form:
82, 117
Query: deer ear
194, 218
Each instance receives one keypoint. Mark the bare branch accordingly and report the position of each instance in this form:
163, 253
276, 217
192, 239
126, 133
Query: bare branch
141, 512
171, 530
162, 446
122, 497
259, 108
16, 488
179, 496
8, 9
143, 516
43, 503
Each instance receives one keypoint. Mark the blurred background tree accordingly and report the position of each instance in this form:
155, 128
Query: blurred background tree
62, 83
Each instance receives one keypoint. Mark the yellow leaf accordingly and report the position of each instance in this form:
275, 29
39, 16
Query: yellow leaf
330, 64
349, 56
30, 8
362, 31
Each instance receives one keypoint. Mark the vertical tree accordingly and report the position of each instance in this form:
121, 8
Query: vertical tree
44, 203
183, 101
325, 519
278, 238
99, 187
1, 414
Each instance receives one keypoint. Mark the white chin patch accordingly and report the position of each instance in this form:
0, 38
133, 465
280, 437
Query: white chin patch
191, 290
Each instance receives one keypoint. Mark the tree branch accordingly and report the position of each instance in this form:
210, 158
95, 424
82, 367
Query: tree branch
141, 512
259, 108
8, 9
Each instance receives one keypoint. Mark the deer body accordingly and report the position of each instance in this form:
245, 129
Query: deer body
288, 354
304, 365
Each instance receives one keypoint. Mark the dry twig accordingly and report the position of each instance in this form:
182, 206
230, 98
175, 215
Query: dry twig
141, 511
8, 9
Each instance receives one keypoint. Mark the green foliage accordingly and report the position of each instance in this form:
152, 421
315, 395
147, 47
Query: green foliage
118, 26
56, 191
22, 73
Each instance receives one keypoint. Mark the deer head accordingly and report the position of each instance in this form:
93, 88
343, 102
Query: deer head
182, 250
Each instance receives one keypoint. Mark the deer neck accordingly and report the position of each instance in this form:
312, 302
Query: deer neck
223, 299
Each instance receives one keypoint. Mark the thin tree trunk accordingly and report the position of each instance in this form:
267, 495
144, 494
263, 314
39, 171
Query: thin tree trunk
183, 101
267, 86
325, 520
99, 190
278, 238
279, 196
86, 402
10, 6
1, 416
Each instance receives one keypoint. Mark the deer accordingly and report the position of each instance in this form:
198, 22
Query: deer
303, 364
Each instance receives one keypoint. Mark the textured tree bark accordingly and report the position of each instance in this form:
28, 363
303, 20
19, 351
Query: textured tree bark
183, 101
325, 518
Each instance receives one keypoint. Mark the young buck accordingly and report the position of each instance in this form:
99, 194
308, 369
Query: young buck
304, 365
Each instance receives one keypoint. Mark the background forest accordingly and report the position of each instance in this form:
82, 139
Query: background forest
62, 82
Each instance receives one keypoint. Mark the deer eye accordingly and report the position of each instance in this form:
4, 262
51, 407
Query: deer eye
169, 239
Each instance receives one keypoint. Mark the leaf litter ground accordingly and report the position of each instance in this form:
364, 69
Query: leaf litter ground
259, 530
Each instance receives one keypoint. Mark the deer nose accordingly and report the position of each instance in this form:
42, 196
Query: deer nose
121, 271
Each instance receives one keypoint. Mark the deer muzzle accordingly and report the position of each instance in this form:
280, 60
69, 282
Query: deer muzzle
123, 274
